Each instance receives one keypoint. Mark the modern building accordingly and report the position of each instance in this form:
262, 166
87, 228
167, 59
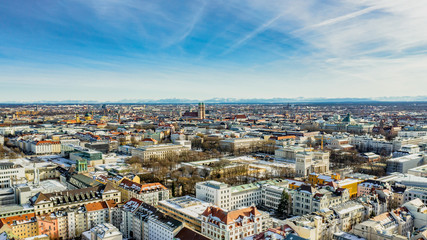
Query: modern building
186, 209
404, 163
11, 174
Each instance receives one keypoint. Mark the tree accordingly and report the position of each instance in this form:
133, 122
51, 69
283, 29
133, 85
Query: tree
283, 207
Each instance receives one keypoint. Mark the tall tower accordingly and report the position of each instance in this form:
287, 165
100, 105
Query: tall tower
202, 111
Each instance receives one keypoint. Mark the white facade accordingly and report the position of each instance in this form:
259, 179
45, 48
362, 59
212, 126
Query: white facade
11, 174
226, 197
158, 151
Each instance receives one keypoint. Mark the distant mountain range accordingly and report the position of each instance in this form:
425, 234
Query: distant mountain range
234, 100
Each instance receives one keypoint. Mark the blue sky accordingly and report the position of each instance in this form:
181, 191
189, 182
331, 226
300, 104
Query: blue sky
129, 49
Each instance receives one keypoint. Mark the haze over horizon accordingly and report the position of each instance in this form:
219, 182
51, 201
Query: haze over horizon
112, 50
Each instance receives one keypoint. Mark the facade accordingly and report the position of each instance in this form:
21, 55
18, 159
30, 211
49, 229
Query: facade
418, 210
158, 151
20, 227
368, 186
271, 196
45, 203
404, 163
308, 162
219, 224
349, 214
231, 145
150, 193
415, 192
162, 227
307, 199
45, 147
186, 209
420, 171
394, 225
11, 174
227, 197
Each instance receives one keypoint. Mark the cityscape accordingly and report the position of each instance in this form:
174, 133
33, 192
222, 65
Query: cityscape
213, 120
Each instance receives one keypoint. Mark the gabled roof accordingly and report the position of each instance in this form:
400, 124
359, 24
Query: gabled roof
217, 213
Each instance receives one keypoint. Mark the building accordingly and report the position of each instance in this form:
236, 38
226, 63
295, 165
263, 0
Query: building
45, 203
368, 186
236, 144
349, 214
150, 193
404, 163
308, 162
415, 192
159, 151
219, 224
163, 227
420, 171
45, 147
233, 197
271, 196
99, 212
307, 199
186, 209
395, 225
418, 209
11, 174
202, 111
313, 227
103, 232
22, 226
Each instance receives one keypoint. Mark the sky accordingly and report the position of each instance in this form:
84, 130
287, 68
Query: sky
108, 50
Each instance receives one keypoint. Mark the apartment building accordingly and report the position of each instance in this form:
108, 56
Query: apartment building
307, 199
158, 151
395, 225
232, 197
349, 214
20, 227
99, 212
150, 193
219, 224
418, 209
162, 227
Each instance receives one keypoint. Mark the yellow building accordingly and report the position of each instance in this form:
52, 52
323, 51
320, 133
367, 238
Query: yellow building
349, 183
293, 184
20, 227
320, 179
